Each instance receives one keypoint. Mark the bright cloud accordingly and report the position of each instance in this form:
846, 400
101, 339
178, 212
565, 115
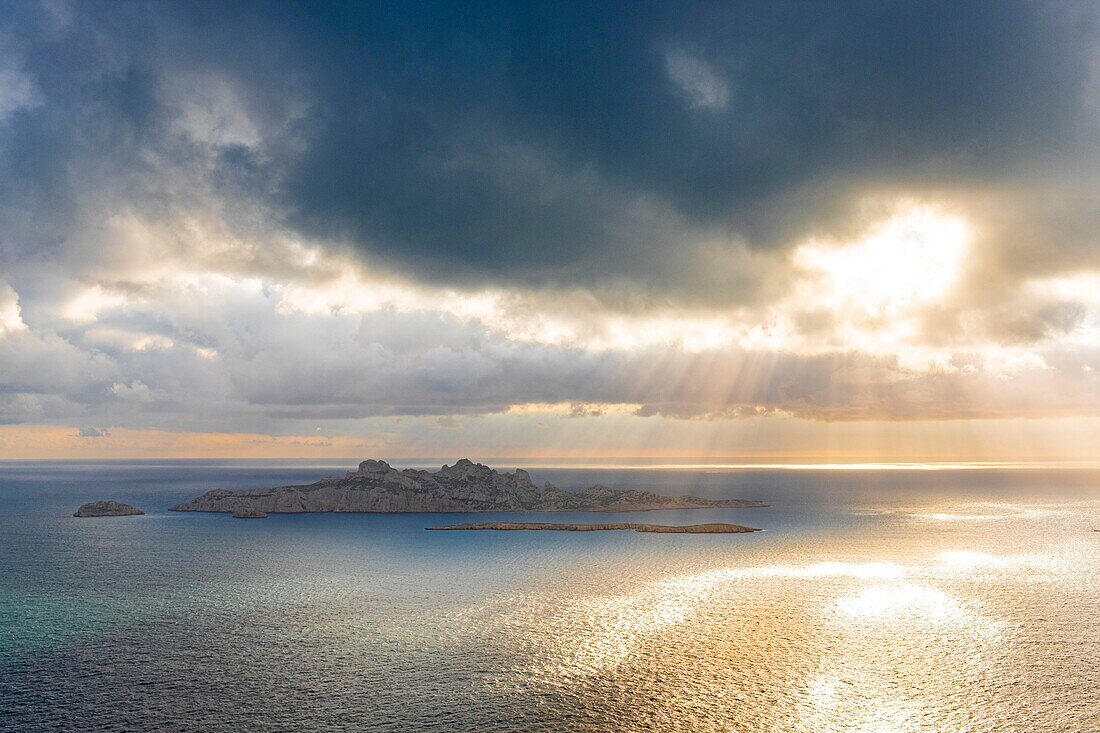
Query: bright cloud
910, 260
10, 318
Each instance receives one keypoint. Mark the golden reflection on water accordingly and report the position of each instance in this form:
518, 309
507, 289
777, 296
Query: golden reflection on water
989, 511
921, 638
918, 603
613, 626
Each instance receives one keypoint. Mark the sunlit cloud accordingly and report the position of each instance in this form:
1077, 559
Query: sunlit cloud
866, 296
87, 303
909, 260
226, 245
871, 292
11, 319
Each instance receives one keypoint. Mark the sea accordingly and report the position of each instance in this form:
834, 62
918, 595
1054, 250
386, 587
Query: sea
878, 599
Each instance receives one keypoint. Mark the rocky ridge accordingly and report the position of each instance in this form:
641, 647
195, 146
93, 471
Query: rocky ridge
464, 487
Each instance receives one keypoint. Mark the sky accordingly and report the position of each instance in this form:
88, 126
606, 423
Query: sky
838, 230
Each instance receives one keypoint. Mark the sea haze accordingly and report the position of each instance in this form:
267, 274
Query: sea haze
876, 600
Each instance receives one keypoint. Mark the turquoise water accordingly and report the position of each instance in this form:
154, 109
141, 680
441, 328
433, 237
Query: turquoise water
963, 600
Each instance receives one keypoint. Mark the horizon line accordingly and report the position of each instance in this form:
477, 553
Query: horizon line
624, 463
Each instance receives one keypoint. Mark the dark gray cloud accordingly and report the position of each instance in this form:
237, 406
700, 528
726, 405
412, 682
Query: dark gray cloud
542, 143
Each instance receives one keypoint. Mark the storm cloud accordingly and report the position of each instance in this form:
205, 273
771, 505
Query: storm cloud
216, 216
557, 143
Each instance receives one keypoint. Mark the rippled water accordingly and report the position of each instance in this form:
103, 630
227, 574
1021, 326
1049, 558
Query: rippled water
875, 601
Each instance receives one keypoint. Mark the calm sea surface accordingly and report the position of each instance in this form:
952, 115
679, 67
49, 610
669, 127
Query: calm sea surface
876, 601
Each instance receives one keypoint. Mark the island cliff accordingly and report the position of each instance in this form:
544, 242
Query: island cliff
463, 487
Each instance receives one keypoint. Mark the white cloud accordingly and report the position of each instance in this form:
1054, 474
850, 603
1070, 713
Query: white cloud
211, 110
10, 318
703, 87
18, 90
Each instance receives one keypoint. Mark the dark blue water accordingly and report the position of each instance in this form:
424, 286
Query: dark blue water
334, 622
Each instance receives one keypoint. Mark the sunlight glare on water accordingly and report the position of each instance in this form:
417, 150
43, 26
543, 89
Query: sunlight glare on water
854, 611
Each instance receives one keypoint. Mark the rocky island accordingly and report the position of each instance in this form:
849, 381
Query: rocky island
464, 487
714, 528
107, 509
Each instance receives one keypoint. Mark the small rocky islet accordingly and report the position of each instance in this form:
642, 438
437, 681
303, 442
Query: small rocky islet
377, 487
106, 509
712, 528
